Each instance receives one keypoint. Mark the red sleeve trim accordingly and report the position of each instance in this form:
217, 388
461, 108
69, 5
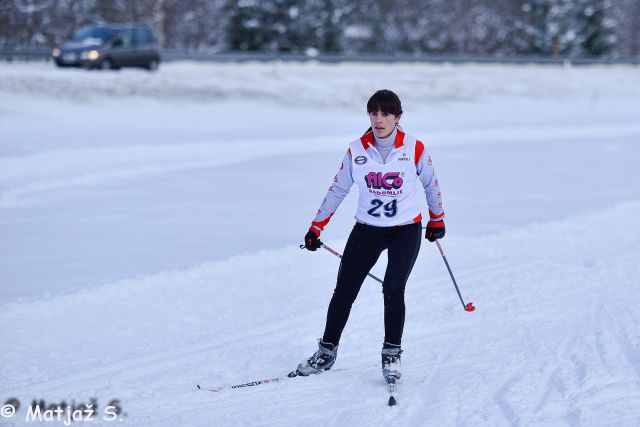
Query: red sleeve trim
419, 151
321, 224
434, 216
436, 224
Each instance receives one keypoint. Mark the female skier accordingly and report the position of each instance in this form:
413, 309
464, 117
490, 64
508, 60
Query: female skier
387, 165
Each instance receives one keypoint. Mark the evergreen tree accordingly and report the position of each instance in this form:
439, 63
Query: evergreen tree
322, 24
286, 25
596, 26
549, 27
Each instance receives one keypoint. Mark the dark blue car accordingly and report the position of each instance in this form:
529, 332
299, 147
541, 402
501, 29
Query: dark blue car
110, 47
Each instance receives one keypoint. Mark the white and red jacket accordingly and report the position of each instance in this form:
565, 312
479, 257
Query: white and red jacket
388, 190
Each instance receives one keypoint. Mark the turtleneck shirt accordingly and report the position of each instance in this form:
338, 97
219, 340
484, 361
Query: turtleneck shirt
385, 145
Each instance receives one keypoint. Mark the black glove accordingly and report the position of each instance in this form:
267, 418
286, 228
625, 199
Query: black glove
435, 230
311, 241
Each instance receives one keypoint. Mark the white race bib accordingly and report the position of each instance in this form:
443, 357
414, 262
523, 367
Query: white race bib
388, 192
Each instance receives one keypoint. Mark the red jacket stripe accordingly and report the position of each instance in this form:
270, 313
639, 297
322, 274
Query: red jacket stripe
321, 224
419, 151
367, 139
434, 216
399, 139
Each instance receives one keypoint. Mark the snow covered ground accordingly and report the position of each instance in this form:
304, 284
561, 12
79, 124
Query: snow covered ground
149, 225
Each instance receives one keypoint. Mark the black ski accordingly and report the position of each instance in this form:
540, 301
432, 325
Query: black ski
237, 386
295, 373
255, 383
392, 390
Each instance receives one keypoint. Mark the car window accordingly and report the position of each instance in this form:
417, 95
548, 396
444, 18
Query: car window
127, 38
151, 36
141, 36
94, 35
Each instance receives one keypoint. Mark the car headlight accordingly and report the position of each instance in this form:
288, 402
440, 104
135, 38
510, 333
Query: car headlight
55, 52
90, 54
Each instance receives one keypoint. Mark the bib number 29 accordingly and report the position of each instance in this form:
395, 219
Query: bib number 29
390, 209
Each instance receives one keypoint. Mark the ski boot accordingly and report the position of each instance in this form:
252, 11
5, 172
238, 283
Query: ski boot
322, 360
391, 369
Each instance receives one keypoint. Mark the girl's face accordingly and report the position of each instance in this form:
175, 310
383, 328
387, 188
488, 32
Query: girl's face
383, 124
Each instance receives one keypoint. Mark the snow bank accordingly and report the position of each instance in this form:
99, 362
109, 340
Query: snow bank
324, 85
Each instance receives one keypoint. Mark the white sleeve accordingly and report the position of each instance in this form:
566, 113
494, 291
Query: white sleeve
429, 179
342, 183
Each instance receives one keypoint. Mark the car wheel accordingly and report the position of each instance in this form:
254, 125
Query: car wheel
106, 64
153, 65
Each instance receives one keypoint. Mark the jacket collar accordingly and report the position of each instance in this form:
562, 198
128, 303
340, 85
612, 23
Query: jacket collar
368, 140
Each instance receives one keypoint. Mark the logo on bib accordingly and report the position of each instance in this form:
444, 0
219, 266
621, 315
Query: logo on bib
360, 160
388, 181
404, 158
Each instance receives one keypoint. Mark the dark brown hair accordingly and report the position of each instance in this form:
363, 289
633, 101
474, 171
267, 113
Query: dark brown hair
386, 101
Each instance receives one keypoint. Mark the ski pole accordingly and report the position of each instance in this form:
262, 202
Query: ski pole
336, 253
467, 307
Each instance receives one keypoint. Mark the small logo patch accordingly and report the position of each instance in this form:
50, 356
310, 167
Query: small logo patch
360, 160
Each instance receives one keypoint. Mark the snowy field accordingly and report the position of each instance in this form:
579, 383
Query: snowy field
150, 223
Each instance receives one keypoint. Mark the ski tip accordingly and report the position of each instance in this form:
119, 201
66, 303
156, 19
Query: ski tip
392, 401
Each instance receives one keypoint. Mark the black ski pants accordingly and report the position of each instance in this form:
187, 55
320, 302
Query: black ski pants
364, 246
